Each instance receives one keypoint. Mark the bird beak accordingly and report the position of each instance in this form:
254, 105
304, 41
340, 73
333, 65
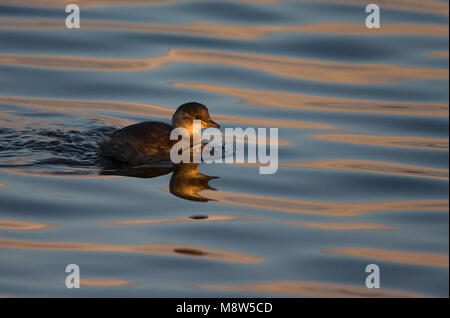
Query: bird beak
212, 123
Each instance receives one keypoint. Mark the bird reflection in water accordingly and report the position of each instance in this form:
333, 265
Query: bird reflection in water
186, 181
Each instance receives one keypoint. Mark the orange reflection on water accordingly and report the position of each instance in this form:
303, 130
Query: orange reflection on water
307, 69
343, 226
413, 5
24, 225
21, 122
322, 208
286, 100
408, 5
82, 107
87, 3
386, 141
85, 107
439, 54
3, 185
312, 289
430, 259
268, 141
280, 123
113, 3
160, 249
334, 226
235, 31
209, 218
105, 282
371, 167
360, 29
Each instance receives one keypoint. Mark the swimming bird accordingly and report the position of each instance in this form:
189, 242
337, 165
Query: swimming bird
149, 142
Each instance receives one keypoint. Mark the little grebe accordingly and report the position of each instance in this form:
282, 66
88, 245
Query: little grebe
149, 141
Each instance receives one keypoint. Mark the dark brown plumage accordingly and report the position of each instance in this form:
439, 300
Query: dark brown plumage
149, 142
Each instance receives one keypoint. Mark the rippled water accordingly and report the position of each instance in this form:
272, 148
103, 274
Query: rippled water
363, 127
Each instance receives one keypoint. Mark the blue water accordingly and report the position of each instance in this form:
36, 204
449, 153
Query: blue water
363, 125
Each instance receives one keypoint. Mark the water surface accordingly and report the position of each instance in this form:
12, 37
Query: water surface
363, 126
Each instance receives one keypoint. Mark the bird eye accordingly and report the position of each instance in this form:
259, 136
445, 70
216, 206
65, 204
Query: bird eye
198, 117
